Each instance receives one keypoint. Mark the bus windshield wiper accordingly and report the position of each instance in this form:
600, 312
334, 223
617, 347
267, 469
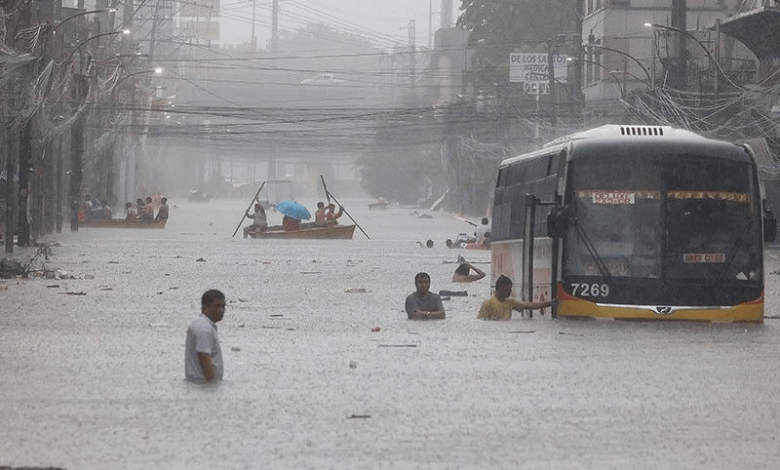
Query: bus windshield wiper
592, 250
734, 249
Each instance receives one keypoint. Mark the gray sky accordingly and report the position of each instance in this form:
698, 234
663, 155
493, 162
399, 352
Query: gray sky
385, 22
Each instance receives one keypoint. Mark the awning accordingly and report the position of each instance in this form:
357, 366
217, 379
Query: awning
757, 29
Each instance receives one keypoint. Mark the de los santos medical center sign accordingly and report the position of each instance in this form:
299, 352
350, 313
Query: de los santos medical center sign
532, 70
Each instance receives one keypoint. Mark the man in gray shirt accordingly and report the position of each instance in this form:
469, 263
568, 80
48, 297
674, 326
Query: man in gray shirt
423, 304
202, 353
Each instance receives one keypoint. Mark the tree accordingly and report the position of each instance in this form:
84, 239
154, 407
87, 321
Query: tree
499, 27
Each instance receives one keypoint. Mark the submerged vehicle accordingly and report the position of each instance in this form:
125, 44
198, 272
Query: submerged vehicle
635, 222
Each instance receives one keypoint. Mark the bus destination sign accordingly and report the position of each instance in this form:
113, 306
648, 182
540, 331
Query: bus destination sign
704, 258
614, 197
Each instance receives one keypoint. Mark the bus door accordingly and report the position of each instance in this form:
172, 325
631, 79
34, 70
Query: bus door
540, 257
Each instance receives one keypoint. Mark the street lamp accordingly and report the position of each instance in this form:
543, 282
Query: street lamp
97, 36
626, 54
84, 13
621, 85
155, 71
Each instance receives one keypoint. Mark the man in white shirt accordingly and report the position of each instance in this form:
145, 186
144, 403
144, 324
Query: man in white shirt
482, 230
202, 353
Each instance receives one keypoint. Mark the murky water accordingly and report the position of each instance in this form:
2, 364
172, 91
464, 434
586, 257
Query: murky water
95, 381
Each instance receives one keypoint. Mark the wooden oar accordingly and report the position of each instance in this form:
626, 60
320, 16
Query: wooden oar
325, 187
345, 211
463, 219
250, 206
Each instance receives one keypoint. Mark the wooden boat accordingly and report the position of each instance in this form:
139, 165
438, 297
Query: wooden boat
121, 223
308, 231
378, 206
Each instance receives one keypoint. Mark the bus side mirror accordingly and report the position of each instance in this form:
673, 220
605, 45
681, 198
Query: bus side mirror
770, 226
557, 222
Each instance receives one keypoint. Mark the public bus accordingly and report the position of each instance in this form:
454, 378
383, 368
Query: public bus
634, 222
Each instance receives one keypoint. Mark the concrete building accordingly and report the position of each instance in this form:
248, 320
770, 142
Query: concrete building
622, 55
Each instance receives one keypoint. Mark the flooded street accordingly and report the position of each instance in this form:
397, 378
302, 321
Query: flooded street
92, 367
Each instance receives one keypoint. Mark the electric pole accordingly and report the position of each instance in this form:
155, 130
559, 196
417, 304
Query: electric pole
253, 41
275, 26
680, 22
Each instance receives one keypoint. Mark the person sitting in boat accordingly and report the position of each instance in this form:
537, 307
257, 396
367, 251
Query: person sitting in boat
463, 273
147, 211
84, 208
259, 221
331, 216
107, 212
162, 214
131, 214
290, 224
319, 216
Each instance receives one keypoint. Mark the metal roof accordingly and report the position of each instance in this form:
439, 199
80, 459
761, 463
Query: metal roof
757, 29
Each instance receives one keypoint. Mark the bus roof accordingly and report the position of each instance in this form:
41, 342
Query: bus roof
640, 136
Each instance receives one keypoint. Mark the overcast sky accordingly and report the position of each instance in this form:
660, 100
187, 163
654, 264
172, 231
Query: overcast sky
385, 22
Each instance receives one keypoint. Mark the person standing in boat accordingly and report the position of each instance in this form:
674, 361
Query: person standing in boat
331, 215
259, 221
162, 214
319, 216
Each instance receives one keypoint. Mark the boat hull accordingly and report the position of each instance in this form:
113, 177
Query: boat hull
337, 232
121, 223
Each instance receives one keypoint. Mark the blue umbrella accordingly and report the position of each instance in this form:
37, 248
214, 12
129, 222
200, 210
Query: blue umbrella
293, 209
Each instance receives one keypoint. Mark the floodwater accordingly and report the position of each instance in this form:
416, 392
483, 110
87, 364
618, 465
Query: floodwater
92, 368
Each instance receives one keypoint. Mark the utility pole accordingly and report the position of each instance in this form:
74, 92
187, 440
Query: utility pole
551, 53
275, 26
154, 31
253, 41
80, 91
430, 25
679, 20
413, 51
578, 103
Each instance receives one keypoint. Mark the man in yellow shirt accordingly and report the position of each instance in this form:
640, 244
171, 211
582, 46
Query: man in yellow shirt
500, 306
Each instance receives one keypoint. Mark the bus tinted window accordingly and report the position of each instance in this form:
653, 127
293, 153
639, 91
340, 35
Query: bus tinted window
689, 173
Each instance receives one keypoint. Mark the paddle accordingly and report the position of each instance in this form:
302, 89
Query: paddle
329, 196
247, 209
463, 219
325, 187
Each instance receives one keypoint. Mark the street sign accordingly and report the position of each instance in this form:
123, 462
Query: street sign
540, 88
533, 68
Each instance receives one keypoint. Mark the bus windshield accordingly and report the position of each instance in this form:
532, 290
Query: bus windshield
668, 217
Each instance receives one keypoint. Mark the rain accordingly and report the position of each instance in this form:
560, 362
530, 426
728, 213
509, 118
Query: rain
400, 115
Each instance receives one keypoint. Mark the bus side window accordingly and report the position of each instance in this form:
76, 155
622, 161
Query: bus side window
501, 180
555, 162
